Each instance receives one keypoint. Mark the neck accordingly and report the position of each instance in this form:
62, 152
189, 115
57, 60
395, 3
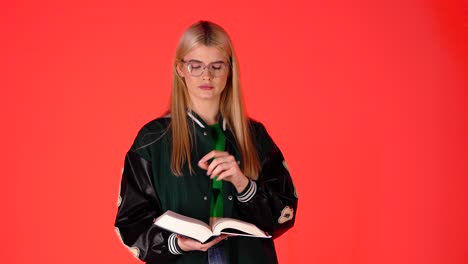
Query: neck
208, 111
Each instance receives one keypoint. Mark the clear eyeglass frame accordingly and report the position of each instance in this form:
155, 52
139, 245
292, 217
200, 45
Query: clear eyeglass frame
216, 69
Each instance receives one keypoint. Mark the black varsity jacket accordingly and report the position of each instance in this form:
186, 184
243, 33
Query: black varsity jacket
148, 188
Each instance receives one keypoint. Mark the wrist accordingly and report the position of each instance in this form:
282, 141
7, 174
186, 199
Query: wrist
181, 248
242, 184
248, 193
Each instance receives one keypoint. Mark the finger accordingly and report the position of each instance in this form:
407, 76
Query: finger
223, 237
226, 174
205, 161
216, 240
217, 162
211, 155
222, 168
188, 244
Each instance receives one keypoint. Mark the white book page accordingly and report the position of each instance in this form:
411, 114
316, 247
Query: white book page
245, 227
184, 225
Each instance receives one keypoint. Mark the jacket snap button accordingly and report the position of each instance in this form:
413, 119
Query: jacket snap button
230, 197
204, 133
205, 198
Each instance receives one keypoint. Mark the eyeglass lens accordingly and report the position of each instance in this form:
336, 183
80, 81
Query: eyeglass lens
216, 69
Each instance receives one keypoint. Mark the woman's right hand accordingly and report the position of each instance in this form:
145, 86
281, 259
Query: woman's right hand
188, 244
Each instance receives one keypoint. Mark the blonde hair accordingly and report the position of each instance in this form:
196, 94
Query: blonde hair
231, 101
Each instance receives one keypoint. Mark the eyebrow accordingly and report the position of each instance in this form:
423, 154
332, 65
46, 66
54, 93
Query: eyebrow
194, 60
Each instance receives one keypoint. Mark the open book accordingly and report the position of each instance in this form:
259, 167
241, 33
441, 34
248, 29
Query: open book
202, 232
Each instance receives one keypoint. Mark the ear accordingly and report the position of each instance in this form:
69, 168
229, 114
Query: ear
180, 70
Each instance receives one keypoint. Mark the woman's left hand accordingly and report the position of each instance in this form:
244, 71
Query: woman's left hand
223, 166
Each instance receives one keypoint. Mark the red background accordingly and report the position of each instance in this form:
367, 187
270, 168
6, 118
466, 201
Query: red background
367, 99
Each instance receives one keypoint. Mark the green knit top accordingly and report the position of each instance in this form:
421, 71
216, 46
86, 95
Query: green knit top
218, 142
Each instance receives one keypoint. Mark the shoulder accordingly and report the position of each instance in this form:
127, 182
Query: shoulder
260, 135
157, 124
152, 132
257, 127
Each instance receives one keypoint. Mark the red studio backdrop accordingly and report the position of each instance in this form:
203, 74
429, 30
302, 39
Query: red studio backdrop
367, 100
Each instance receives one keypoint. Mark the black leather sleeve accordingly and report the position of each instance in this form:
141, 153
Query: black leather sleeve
138, 207
270, 202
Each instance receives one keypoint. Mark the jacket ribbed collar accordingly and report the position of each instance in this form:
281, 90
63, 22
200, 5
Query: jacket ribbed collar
200, 122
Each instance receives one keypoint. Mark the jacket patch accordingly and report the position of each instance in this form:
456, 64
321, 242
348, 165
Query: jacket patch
285, 165
286, 214
135, 251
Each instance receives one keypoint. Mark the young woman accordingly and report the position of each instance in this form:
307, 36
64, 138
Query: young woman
204, 159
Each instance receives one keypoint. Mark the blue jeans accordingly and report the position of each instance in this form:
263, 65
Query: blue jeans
216, 254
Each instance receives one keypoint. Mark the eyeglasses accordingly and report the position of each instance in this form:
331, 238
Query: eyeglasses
216, 69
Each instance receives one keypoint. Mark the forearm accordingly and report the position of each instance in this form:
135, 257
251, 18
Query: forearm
138, 206
271, 211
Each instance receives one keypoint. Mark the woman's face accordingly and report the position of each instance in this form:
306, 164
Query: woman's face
205, 71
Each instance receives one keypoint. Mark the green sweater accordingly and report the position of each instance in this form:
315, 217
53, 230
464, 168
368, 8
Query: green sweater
219, 141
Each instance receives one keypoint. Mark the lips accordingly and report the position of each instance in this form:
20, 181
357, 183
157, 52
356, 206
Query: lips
205, 87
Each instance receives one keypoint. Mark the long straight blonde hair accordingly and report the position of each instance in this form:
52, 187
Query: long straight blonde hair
231, 101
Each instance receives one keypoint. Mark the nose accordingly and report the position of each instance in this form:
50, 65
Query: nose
206, 74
